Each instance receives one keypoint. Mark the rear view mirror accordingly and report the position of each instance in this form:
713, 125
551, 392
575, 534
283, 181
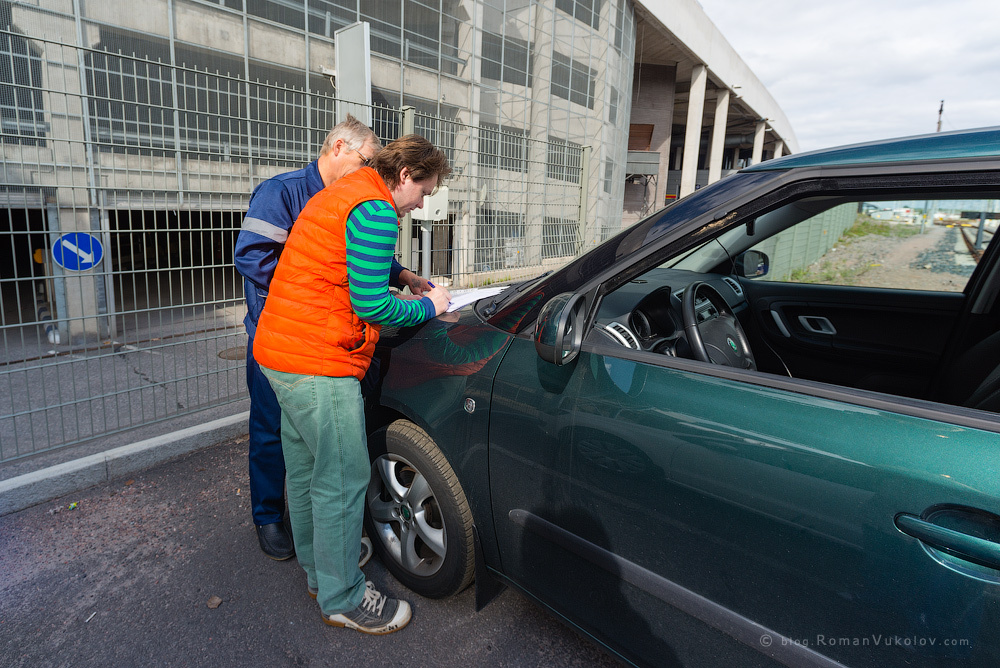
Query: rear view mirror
752, 264
559, 329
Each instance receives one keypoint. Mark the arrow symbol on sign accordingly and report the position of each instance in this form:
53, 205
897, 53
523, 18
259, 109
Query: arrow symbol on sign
84, 257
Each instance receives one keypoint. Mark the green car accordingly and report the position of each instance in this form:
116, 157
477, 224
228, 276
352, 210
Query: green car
758, 427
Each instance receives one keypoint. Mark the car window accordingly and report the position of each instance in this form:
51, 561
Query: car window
914, 245
827, 287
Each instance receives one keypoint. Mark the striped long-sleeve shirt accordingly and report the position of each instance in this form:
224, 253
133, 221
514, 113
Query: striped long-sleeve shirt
274, 206
371, 240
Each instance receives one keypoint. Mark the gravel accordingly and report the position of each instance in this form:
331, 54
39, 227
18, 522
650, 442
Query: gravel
941, 259
927, 261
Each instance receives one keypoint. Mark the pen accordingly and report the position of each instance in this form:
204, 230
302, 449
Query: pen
434, 286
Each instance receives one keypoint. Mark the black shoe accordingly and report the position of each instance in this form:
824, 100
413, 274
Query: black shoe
275, 541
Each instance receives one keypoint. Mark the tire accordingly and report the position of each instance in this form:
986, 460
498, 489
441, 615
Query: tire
416, 513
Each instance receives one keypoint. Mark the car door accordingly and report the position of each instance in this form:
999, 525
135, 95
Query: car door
690, 514
567, 469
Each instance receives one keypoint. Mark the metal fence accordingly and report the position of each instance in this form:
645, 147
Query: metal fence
799, 246
124, 181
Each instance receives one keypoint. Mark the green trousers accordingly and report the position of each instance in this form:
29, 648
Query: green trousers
326, 473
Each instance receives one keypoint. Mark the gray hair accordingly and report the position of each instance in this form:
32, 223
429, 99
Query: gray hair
354, 133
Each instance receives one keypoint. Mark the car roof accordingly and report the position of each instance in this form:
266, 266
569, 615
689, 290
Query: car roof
977, 143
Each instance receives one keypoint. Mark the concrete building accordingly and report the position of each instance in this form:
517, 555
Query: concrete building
143, 125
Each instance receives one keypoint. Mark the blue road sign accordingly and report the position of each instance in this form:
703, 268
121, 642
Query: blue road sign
77, 251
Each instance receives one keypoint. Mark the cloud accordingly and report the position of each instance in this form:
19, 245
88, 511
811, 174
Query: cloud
857, 70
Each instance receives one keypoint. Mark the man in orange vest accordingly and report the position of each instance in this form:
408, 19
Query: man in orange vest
315, 340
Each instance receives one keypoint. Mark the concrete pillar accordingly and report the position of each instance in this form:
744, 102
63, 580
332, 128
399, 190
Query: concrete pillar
80, 297
652, 104
692, 133
718, 135
404, 245
585, 194
464, 234
779, 148
758, 142
539, 121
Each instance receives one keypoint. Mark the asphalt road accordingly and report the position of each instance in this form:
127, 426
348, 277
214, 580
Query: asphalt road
125, 577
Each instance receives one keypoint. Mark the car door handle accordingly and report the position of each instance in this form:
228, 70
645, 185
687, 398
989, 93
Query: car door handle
962, 545
780, 324
817, 324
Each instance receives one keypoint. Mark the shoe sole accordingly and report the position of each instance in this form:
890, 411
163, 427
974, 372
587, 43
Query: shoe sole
271, 556
380, 631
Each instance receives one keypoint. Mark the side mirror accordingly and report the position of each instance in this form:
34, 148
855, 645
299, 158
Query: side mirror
559, 329
752, 264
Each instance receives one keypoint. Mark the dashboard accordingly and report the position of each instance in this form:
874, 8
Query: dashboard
645, 313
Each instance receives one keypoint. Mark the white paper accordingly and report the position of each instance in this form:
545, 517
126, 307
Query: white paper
460, 298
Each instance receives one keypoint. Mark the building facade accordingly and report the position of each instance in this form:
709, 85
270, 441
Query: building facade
133, 132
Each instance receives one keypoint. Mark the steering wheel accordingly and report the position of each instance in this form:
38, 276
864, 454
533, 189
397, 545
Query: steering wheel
719, 340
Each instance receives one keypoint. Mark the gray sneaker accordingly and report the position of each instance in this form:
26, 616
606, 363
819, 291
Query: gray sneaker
366, 554
378, 614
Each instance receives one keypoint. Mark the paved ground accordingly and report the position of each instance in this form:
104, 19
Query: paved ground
124, 579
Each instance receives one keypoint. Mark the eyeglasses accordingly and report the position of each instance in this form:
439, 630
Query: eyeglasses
364, 160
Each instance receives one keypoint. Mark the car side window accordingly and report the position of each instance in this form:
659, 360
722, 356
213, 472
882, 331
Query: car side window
926, 245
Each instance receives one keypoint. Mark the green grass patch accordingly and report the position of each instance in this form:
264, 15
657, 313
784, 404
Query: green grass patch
864, 225
828, 273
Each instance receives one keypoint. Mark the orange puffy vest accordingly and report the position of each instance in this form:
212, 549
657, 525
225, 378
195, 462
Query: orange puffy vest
308, 326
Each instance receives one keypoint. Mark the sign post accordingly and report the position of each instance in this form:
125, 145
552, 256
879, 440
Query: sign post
352, 53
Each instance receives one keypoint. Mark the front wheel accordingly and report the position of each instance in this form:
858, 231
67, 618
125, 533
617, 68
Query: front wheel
416, 513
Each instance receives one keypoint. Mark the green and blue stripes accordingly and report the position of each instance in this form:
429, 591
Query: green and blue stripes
371, 240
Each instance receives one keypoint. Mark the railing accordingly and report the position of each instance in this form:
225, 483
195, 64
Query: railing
158, 171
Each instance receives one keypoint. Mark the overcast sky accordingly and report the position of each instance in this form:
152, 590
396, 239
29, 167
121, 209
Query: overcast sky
857, 70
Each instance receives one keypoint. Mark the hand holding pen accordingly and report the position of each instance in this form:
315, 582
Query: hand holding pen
440, 296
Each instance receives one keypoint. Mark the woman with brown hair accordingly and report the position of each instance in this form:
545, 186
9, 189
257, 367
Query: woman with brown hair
314, 342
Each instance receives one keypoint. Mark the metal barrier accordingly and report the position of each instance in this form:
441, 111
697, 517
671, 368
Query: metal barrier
798, 247
124, 182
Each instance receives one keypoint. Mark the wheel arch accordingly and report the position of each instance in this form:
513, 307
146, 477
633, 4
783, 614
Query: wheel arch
487, 586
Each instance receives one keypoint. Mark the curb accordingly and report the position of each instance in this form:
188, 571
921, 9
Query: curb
37, 487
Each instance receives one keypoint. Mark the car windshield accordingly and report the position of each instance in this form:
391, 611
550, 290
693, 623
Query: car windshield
710, 254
